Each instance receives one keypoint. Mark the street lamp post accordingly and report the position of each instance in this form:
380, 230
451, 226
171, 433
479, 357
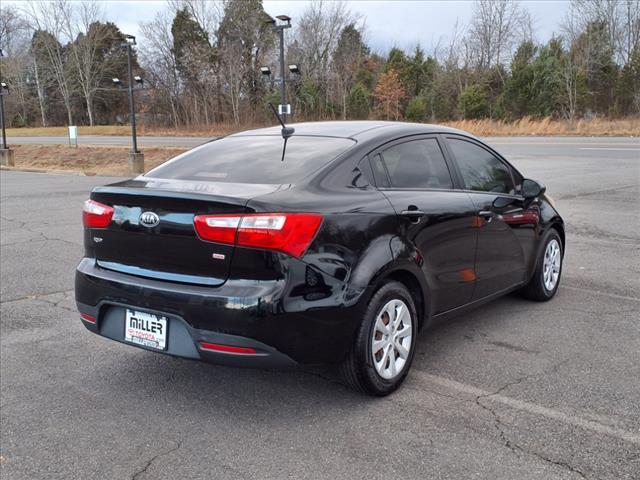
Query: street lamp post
3, 87
279, 29
6, 154
136, 158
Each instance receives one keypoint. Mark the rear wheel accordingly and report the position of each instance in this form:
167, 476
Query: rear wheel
383, 350
546, 278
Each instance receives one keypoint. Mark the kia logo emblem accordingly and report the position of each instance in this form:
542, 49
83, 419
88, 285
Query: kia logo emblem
149, 219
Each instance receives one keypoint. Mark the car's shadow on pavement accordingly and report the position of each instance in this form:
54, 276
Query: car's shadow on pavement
485, 323
269, 395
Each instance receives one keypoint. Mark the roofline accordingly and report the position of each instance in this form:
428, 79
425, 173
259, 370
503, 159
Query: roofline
372, 125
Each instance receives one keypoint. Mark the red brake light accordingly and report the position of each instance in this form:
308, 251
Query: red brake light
290, 233
216, 347
96, 215
217, 228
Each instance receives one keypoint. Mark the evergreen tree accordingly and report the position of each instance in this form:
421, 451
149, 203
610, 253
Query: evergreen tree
416, 109
358, 102
627, 89
474, 102
547, 82
419, 72
191, 47
519, 94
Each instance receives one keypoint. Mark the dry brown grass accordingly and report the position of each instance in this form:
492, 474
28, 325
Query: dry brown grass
64, 131
221, 129
89, 160
549, 127
205, 132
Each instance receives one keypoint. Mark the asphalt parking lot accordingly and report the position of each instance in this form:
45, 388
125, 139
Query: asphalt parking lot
512, 390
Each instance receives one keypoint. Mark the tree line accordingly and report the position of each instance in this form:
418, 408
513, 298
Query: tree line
201, 65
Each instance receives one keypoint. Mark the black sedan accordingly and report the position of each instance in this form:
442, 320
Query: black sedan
335, 243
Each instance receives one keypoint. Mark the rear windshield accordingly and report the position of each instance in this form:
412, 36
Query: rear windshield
253, 159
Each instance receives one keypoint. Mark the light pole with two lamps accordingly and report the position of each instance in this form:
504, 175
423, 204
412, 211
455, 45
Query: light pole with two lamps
6, 154
284, 109
136, 158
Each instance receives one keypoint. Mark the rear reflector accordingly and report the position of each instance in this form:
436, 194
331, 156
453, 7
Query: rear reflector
290, 233
96, 215
227, 348
88, 318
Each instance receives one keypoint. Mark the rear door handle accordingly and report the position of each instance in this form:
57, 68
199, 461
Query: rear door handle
412, 213
486, 214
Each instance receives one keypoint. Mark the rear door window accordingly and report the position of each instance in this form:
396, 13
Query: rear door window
253, 159
417, 164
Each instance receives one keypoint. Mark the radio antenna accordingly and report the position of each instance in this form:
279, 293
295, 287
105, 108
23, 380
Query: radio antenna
286, 132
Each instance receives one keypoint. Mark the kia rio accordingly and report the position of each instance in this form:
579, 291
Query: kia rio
335, 243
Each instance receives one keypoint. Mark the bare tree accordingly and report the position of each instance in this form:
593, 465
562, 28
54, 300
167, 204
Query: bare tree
347, 60
233, 73
317, 33
495, 29
621, 18
48, 18
16, 64
159, 62
87, 37
630, 38
206, 12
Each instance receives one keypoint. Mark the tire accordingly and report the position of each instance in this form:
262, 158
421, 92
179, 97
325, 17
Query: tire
376, 375
541, 288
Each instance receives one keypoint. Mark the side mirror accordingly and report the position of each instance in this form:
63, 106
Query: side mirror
532, 189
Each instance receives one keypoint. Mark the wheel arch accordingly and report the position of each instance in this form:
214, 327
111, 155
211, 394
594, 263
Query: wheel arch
558, 225
415, 287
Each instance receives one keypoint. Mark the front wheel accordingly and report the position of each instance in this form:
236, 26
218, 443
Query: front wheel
546, 278
383, 350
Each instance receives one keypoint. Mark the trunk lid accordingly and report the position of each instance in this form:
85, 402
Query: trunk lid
167, 247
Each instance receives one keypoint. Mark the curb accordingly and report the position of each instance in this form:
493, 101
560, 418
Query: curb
45, 170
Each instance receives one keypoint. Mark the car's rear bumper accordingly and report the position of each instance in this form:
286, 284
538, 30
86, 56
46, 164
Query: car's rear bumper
277, 319
184, 340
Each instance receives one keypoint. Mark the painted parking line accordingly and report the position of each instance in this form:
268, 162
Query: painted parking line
600, 292
529, 407
611, 149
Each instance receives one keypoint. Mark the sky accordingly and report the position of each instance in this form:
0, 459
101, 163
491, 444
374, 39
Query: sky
389, 23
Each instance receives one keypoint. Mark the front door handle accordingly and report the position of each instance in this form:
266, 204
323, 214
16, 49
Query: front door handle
487, 215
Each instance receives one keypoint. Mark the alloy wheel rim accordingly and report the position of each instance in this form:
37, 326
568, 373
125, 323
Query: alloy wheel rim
551, 265
391, 339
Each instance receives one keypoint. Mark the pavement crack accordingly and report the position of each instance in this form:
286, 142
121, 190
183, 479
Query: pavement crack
143, 470
42, 298
515, 448
499, 424
41, 236
7, 219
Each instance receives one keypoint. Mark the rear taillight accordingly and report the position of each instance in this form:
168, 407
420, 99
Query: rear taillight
96, 215
290, 233
88, 318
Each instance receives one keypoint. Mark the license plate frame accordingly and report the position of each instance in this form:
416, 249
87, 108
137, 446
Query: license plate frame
146, 329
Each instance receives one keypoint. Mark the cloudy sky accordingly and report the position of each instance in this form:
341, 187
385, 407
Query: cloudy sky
402, 23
